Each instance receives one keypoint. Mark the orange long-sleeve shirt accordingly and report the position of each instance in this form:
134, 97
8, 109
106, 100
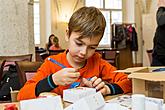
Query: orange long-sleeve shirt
95, 66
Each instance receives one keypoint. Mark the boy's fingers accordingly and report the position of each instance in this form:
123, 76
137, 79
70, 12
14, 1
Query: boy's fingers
99, 86
87, 83
93, 79
70, 69
103, 91
97, 82
74, 75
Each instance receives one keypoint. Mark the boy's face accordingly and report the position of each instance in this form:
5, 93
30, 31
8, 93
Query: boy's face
82, 49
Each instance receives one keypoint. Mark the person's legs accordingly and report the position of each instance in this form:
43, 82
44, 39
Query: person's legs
158, 60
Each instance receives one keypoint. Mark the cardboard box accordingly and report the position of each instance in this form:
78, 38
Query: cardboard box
146, 81
141, 70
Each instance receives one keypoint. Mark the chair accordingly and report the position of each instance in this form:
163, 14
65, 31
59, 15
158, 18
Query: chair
11, 60
26, 70
112, 56
149, 53
44, 56
55, 52
40, 53
26, 57
101, 52
2, 62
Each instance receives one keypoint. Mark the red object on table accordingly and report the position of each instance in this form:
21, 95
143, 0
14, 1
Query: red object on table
10, 107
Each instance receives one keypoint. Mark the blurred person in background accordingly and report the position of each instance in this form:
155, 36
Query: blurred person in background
158, 55
53, 43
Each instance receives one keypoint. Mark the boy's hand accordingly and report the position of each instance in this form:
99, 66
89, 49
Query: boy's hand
65, 76
96, 83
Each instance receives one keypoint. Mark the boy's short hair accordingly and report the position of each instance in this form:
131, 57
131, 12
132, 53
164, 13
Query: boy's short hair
88, 21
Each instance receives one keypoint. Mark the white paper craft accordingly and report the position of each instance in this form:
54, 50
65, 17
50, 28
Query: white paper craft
92, 102
75, 94
138, 102
124, 101
113, 106
163, 108
50, 103
153, 103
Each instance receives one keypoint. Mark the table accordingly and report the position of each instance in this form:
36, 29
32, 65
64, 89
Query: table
65, 103
2, 106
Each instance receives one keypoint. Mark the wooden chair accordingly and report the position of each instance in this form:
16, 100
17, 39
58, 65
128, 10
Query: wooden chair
41, 54
26, 57
2, 62
101, 52
112, 56
26, 68
55, 52
11, 60
44, 56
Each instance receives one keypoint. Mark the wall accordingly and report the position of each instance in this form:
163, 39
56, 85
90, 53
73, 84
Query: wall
138, 21
128, 11
143, 12
66, 9
60, 10
42, 24
16, 27
149, 27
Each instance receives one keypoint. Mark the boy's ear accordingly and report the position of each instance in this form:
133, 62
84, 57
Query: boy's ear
67, 35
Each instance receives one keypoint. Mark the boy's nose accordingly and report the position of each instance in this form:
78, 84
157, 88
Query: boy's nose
83, 51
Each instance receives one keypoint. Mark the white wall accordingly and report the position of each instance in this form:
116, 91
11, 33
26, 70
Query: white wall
16, 27
132, 14
149, 27
129, 11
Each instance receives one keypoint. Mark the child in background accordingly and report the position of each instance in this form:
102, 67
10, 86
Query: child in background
79, 62
53, 43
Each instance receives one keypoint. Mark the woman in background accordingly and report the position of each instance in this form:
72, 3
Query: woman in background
53, 43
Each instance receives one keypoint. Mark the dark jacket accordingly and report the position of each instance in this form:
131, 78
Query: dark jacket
134, 40
159, 39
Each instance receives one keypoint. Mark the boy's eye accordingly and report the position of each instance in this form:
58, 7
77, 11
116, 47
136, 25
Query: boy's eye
93, 47
78, 43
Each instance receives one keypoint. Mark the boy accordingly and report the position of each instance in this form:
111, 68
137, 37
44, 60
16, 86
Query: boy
80, 63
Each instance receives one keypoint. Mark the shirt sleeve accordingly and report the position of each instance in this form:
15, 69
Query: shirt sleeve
118, 82
28, 91
45, 85
115, 88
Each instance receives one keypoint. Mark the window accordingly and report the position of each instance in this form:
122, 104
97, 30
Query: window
113, 4
112, 11
36, 22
